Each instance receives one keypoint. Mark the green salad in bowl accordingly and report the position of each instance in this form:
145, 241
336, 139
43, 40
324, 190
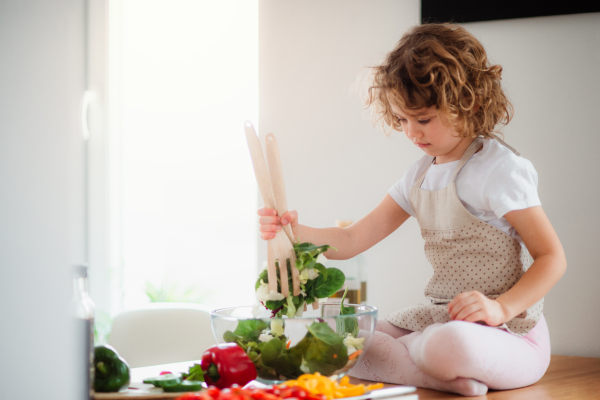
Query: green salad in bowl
323, 340
284, 338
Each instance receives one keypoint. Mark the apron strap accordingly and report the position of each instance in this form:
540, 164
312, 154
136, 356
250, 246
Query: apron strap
472, 149
503, 143
419, 181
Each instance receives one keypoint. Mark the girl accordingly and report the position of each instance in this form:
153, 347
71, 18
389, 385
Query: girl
476, 202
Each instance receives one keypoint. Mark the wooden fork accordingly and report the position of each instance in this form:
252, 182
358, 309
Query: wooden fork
279, 249
280, 200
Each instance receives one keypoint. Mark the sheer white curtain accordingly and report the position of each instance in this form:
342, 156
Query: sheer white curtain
189, 80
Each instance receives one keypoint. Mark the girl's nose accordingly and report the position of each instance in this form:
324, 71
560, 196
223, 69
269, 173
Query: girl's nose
412, 131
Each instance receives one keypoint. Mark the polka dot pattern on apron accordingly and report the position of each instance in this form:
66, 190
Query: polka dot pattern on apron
466, 254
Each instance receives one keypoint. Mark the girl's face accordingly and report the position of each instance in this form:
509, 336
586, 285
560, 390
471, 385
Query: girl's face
426, 129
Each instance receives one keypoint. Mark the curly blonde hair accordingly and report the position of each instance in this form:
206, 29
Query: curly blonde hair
445, 66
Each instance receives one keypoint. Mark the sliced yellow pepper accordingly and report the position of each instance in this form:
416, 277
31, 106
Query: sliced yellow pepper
374, 386
357, 390
318, 384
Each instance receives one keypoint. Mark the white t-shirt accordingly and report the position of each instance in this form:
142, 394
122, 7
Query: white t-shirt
493, 182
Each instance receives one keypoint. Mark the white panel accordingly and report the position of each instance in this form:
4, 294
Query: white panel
97, 152
41, 195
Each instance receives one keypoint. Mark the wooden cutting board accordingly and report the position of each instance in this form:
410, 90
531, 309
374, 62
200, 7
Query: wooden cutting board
141, 391
145, 391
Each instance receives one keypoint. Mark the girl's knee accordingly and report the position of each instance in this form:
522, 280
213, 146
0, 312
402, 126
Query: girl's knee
442, 350
450, 340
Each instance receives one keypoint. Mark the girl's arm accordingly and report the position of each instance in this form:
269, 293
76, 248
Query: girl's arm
350, 241
548, 267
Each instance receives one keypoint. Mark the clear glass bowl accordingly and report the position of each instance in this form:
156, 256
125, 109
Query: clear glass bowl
321, 340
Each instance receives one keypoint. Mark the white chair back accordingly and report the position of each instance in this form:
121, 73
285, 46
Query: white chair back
162, 333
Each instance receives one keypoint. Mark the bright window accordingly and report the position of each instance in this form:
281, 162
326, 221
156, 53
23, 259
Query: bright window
189, 80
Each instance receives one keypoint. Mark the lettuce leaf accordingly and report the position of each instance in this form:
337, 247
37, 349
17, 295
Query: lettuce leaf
329, 281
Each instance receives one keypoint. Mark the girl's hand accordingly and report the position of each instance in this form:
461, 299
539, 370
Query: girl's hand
474, 306
270, 222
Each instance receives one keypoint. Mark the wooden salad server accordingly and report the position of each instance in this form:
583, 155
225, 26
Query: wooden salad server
276, 175
280, 248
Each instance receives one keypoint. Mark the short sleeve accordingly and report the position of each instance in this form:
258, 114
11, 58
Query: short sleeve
400, 191
511, 185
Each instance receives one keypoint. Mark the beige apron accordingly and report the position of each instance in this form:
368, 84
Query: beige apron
466, 254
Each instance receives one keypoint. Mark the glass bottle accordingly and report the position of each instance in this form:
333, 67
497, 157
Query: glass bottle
84, 321
355, 270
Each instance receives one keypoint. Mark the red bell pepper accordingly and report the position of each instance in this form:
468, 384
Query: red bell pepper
226, 364
237, 393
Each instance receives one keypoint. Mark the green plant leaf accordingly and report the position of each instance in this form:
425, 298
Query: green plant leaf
194, 373
168, 291
250, 329
323, 349
271, 350
326, 286
343, 309
347, 324
264, 276
285, 362
329, 281
275, 304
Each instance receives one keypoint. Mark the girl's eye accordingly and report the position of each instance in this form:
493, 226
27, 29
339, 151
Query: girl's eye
424, 121
400, 120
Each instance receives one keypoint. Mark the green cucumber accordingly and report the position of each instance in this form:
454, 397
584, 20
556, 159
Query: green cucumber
184, 386
167, 379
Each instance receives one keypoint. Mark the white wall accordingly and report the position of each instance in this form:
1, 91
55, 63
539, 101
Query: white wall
41, 195
338, 166
551, 69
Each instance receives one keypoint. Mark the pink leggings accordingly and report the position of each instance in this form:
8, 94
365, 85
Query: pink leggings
460, 357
